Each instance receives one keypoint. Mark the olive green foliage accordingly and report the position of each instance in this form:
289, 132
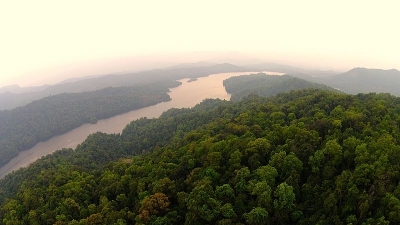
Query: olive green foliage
305, 157
23, 127
266, 85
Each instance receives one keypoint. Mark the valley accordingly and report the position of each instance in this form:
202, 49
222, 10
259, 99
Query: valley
188, 94
167, 113
276, 128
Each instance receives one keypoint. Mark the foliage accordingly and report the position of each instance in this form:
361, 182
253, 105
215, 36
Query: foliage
304, 157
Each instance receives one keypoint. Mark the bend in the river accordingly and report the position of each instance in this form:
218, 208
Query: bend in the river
188, 94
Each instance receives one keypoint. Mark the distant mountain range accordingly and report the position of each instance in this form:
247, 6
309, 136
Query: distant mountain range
354, 81
16, 89
362, 80
10, 100
357, 80
300, 72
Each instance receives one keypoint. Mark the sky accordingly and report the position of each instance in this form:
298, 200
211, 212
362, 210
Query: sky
40, 38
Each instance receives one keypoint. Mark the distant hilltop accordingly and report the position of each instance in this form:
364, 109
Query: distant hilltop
16, 89
363, 80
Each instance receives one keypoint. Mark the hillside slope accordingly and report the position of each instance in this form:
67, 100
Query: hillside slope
363, 80
305, 157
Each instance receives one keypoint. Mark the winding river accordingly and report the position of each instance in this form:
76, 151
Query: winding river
188, 94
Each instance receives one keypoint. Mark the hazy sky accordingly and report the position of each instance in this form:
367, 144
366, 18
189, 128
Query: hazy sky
39, 35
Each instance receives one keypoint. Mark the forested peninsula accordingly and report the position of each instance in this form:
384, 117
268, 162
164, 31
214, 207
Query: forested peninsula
267, 85
23, 127
304, 157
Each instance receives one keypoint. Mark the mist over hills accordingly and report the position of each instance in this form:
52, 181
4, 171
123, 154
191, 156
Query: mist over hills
354, 81
300, 72
357, 80
11, 100
267, 85
363, 80
75, 79
191, 65
16, 89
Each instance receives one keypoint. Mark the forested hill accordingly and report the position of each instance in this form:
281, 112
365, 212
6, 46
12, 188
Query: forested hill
11, 100
304, 157
363, 80
359, 80
23, 127
266, 85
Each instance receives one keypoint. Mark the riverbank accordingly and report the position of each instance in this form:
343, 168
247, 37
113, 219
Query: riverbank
188, 94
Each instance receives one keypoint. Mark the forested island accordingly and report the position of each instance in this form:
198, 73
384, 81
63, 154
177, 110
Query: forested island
192, 79
304, 157
23, 127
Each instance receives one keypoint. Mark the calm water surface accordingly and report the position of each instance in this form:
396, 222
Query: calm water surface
186, 95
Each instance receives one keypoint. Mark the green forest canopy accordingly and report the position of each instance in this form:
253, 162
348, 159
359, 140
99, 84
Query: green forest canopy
304, 157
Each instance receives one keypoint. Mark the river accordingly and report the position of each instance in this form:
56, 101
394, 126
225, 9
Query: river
188, 94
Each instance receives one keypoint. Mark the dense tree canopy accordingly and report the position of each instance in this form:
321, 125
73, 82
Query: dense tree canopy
23, 127
305, 157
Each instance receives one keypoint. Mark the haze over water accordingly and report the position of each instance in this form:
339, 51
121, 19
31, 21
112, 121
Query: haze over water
188, 94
